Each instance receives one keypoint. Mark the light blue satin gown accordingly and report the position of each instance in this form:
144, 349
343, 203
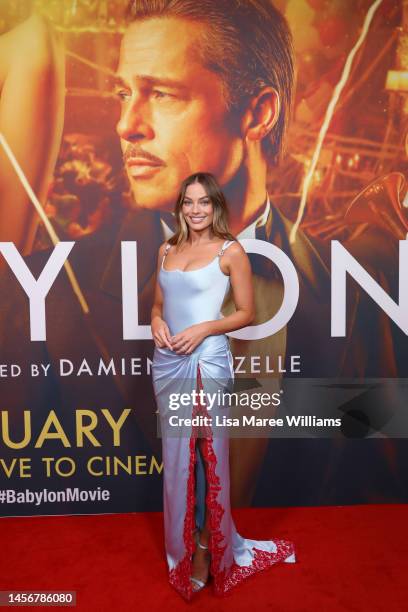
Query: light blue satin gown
191, 297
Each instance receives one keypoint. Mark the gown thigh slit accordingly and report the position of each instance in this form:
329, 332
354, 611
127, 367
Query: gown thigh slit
196, 477
212, 486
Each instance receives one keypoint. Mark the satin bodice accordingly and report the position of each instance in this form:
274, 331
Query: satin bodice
193, 296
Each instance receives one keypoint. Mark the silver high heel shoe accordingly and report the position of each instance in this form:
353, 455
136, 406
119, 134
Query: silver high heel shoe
200, 583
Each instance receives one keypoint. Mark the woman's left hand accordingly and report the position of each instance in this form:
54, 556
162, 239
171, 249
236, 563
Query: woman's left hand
187, 340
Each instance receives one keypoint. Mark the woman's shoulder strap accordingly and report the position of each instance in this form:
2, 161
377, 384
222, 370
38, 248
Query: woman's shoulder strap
225, 246
166, 250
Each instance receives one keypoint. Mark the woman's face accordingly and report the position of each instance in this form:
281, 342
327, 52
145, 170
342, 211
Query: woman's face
197, 207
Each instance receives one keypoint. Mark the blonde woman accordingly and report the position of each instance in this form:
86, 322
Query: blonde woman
195, 269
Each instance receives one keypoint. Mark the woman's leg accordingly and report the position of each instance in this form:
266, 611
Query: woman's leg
205, 532
201, 557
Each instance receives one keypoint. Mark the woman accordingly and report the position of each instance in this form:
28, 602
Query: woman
195, 269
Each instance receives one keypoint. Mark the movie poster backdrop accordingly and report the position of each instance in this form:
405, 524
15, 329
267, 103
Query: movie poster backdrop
84, 86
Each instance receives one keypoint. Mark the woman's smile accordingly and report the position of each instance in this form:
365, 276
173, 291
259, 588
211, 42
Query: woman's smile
197, 219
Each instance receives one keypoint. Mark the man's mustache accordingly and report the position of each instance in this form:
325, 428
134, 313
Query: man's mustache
137, 151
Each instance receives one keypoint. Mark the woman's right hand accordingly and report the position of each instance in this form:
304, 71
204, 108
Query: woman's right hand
161, 333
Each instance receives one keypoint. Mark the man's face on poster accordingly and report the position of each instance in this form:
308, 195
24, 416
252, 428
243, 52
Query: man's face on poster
174, 120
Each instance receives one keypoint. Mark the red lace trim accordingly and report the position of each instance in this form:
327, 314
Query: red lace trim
225, 579
179, 577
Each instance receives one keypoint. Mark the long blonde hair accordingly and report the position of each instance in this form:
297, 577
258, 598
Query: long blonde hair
220, 208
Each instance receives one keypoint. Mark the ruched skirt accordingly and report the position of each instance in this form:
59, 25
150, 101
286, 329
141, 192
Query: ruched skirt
193, 480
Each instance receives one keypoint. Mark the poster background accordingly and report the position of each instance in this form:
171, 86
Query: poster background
88, 200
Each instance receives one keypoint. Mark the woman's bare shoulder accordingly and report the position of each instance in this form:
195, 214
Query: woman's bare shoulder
235, 250
162, 248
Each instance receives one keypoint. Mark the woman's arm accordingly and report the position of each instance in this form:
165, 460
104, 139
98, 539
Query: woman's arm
32, 86
160, 330
239, 268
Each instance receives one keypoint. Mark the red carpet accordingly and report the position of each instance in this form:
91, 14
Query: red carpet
351, 558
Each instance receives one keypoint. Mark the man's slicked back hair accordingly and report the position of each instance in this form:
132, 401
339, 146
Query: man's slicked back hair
248, 43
